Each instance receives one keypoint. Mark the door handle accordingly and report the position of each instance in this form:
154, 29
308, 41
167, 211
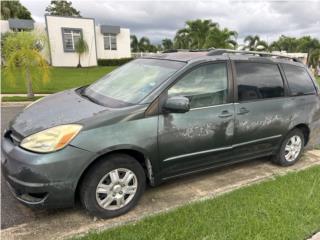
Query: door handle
243, 111
225, 114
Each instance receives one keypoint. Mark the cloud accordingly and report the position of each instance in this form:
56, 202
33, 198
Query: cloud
160, 19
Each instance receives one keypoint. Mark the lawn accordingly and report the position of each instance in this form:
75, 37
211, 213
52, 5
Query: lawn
284, 208
318, 78
59, 79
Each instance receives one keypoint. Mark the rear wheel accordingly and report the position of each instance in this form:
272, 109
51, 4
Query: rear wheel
113, 187
291, 148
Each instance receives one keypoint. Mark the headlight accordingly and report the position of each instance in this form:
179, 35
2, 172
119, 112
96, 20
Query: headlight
51, 139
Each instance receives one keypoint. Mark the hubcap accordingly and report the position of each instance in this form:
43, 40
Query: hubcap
116, 189
293, 148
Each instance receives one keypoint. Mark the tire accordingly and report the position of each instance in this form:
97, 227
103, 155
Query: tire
113, 198
283, 157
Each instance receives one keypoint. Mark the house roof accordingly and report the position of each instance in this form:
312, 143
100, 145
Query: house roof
21, 23
109, 29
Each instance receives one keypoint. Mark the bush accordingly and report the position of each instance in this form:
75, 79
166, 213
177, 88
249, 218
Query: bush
113, 62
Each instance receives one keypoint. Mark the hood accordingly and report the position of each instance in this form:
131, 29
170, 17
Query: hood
57, 109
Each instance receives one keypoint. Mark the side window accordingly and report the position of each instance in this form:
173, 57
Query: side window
70, 37
258, 81
205, 86
299, 80
110, 41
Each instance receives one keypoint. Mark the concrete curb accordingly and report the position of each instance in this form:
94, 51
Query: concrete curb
22, 95
15, 104
315, 237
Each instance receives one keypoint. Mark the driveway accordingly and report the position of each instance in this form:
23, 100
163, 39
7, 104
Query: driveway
19, 222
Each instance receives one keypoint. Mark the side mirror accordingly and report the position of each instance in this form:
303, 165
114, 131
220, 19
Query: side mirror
177, 104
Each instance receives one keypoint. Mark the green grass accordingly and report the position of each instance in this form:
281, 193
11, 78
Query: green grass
285, 208
318, 78
59, 79
19, 99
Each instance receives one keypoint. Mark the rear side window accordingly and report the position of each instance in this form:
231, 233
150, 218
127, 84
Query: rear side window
258, 81
299, 80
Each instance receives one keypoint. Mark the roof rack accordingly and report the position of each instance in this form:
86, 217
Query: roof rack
216, 52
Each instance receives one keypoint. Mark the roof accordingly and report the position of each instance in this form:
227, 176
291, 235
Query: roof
109, 29
20, 23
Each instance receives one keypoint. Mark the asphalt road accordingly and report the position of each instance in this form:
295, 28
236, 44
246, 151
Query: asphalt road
12, 211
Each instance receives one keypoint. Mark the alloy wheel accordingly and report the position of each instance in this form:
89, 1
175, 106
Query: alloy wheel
116, 189
293, 148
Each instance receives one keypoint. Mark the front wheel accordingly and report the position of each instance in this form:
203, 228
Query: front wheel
113, 186
291, 149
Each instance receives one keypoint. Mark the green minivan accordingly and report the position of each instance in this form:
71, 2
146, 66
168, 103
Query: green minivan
157, 118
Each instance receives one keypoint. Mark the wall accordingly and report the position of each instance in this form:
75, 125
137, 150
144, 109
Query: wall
123, 45
4, 24
70, 59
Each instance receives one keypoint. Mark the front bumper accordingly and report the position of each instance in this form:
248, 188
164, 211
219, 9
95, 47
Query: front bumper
43, 180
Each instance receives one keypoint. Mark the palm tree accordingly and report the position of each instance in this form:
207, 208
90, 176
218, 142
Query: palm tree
197, 31
81, 47
254, 43
222, 38
182, 40
314, 58
23, 53
144, 44
134, 43
167, 44
284, 43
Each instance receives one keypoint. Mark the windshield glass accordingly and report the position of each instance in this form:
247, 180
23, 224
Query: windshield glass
132, 82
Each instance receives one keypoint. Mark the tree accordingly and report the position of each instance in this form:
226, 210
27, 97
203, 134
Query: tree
284, 43
81, 47
14, 9
314, 58
182, 40
167, 44
195, 33
22, 53
222, 38
142, 45
62, 8
254, 43
134, 43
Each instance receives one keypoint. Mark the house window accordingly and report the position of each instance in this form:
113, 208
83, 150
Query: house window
70, 37
110, 41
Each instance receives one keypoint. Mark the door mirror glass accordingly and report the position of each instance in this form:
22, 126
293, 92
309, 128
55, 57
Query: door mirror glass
177, 104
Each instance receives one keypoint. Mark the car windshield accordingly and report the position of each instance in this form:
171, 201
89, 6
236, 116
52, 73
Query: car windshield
132, 82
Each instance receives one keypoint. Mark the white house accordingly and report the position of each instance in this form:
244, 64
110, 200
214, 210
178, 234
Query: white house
104, 41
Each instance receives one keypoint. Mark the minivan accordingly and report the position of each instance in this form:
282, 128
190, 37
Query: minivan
158, 118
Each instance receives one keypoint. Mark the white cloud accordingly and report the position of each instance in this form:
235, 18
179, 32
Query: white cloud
160, 19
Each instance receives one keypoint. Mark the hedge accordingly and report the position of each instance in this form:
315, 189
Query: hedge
113, 62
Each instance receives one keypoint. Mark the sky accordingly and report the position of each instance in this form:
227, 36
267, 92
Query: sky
161, 19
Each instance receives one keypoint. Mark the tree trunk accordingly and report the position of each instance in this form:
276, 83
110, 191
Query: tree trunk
29, 83
79, 64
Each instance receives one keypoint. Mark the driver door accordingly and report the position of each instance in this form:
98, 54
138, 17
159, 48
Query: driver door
202, 136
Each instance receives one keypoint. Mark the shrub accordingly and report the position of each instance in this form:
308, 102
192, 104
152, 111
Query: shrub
113, 62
